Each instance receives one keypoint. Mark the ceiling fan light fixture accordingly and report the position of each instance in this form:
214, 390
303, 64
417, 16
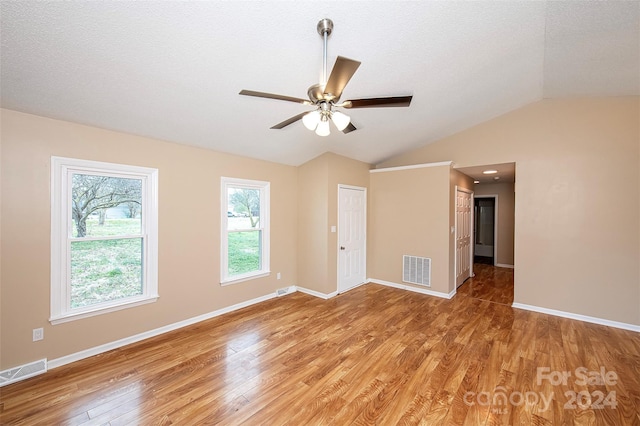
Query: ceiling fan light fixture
340, 120
311, 120
323, 127
326, 95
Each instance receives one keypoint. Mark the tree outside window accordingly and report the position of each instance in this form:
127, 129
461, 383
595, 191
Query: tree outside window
104, 245
245, 229
104, 268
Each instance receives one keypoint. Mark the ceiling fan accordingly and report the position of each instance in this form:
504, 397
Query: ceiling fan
326, 95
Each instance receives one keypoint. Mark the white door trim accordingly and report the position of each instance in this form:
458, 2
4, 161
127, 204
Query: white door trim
357, 188
495, 226
455, 235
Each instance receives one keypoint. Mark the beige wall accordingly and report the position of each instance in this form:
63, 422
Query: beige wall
578, 186
313, 224
318, 182
189, 233
409, 215
506, 217
577, 216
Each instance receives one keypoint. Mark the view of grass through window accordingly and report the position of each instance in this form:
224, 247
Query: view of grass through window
244, 235
244, 252
104, 268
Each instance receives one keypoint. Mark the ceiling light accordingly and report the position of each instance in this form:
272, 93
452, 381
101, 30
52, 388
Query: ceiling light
476, 181
311, 120
496, 177
490, 172
340, 120
323, 127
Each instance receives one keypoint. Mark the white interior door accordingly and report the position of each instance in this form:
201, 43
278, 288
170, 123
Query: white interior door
352, 230
463, 235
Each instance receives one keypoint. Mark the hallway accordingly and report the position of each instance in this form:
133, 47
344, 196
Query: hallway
490, 283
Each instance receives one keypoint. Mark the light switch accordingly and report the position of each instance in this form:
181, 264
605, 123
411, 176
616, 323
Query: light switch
333, 228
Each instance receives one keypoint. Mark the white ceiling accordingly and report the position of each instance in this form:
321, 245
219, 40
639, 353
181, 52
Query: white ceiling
173, 70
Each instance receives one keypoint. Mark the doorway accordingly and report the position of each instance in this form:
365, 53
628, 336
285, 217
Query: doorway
352, 237
463, 264
485, 227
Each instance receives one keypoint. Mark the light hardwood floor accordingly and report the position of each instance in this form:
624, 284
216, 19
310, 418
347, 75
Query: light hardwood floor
489, 283
374, 355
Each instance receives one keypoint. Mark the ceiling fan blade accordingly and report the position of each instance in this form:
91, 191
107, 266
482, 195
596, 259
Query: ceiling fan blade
393, 101
291, 120
349, 128
273, 96
341, 73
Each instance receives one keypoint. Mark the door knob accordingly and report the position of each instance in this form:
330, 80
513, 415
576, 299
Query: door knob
341, 247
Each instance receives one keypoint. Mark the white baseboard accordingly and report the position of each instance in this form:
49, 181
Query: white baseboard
578, 317
504, 265
354, 287
58, 362
316, 293
54, 363
414, 289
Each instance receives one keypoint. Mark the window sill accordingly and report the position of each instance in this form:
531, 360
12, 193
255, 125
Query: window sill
245, 278
59, 319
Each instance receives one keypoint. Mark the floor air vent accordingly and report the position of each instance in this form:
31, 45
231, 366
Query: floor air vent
283, 291
23, 372
416, 270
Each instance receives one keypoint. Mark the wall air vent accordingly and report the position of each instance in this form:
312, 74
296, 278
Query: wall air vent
416, 270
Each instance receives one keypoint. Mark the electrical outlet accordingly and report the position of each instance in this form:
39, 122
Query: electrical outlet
278, 276
38, 334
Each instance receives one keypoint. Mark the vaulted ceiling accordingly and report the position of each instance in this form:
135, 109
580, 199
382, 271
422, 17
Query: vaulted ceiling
173, 70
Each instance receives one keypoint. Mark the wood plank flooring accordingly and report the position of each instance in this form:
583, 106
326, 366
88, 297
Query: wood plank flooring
489, 283
374, 355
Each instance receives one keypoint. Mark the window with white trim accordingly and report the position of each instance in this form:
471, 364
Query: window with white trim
104, 243
245, 229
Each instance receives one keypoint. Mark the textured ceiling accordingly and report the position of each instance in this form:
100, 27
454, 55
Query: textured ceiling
173, 70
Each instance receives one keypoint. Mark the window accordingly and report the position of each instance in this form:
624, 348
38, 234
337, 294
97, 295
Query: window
104, 230
245, 230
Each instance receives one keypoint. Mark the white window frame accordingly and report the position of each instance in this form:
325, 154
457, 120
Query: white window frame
263, 225
62, 170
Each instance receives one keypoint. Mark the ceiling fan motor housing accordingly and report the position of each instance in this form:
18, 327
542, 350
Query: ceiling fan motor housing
316, 94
